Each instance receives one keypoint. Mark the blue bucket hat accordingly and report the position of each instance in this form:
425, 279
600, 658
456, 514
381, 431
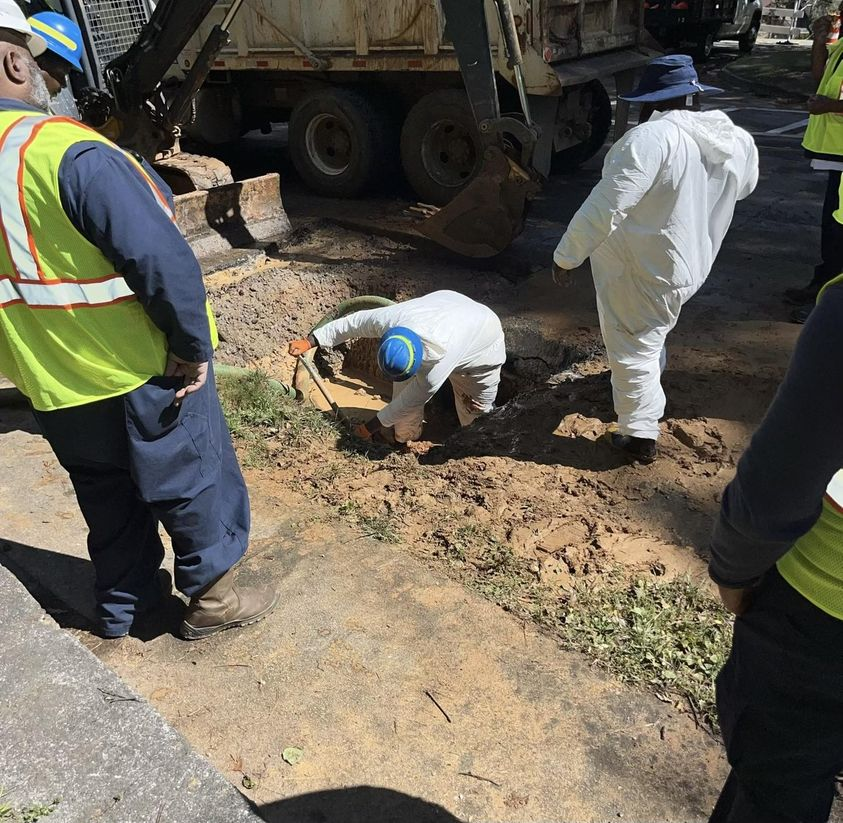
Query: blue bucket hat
400, 353
62, 35
668, 77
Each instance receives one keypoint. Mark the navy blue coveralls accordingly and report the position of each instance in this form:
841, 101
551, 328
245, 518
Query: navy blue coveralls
137, 460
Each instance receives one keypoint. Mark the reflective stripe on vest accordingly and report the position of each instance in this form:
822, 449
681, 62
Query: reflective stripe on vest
14, 225
834, 491
59, 294
28, 284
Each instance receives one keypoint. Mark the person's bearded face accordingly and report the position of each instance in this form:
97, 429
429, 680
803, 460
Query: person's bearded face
39, 94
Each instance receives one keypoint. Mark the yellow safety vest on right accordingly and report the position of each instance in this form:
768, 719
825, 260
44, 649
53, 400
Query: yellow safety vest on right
814, 566
71, 330
824, 136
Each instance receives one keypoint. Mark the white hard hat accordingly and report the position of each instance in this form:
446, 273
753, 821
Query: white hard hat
12, 18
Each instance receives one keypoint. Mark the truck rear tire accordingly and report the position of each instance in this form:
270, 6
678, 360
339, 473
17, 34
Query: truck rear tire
705, 45
440, 146
746, 42
341, 142
600, 119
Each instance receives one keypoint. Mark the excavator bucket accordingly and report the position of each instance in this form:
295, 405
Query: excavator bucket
232, 215
486, 216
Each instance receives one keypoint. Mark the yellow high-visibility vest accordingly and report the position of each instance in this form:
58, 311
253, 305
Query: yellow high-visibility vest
824, 135
814, 566
71, 330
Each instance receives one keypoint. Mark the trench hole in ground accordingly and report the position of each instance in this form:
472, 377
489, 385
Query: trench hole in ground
351, 374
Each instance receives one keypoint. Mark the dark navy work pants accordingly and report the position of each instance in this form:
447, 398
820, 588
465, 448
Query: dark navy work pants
137, 460
780, 701
831, 237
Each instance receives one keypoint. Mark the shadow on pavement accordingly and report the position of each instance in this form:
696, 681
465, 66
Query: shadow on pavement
63, 585
16, 416
359, 804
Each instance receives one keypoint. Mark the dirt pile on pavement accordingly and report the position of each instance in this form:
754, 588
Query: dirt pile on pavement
536, 483
535, 478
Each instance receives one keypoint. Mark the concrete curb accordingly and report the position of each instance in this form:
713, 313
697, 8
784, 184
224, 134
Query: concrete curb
71, 729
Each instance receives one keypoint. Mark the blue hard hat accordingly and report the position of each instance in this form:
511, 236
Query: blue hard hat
667, 77
400, 353
61, 34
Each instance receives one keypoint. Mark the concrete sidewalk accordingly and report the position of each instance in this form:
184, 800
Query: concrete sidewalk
408, 695
70, 729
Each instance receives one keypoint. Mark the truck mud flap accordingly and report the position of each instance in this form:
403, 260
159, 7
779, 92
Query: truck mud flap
486, 216
233, 216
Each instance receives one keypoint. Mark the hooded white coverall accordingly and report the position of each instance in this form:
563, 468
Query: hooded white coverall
652, 227
463, 342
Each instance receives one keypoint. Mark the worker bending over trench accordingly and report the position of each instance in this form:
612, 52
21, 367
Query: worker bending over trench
424, 342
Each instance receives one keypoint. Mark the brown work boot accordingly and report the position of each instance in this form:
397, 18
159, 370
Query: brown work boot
222, 605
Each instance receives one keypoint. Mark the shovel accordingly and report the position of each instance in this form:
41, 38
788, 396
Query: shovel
326, 392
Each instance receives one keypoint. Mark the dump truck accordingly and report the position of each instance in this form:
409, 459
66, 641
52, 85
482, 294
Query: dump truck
370, 85
365, 87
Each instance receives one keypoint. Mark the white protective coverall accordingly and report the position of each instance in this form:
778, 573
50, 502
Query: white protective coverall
463, 341
652, 227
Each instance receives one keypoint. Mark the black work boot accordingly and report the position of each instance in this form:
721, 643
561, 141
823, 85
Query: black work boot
222, 605
638, 449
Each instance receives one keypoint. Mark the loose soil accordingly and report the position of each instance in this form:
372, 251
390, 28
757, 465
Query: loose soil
537, 476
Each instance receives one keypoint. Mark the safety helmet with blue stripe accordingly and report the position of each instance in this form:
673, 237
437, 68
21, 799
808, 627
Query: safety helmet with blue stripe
61, 34
400, 354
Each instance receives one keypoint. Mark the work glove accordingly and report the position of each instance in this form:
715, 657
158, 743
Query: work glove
367, 431
298, 347
362, 432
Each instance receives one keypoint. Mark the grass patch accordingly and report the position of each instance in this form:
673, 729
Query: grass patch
380, 527
668, 635
495, 571
377, 526
263, 420
25, 814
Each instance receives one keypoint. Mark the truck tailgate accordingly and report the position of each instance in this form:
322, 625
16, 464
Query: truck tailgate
581, 28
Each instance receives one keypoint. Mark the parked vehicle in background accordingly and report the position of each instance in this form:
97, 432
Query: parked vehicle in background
699, 24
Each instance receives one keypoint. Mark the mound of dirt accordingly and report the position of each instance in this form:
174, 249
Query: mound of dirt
536, 478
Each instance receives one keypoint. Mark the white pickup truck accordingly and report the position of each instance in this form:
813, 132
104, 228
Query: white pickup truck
701, 23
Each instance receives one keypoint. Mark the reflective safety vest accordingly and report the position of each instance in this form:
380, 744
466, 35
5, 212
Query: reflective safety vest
71, 329
824, 135
814, 566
